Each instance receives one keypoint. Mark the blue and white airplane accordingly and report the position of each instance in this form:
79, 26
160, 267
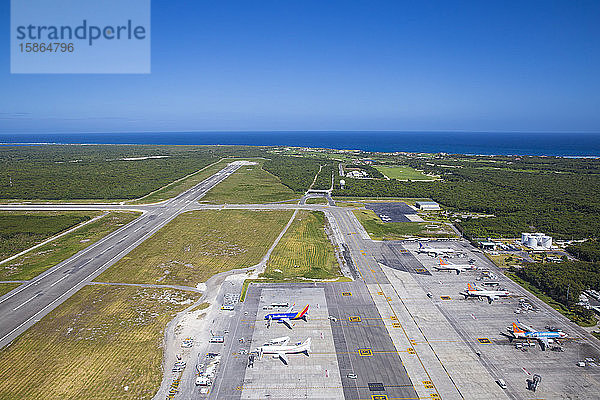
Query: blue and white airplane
287, 316
527, 332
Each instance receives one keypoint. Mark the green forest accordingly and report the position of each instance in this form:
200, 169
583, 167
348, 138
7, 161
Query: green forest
557, 196
59, 172
323, 181
586, 251
297, 173
564, 282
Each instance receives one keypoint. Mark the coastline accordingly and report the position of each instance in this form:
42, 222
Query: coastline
564, 145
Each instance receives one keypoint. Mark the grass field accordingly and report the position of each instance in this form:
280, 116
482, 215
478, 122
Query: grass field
378, 230
304, 251
21, 230
250, 184
7, 287
504, 260
105, 342
198, 244
402, 172
180, 186
36, 261
316, 200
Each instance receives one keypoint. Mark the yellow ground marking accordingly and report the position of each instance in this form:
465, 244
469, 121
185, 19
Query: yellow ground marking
354, 318
428, 385
365, 352
346, 294
394, 312
484, 340
445, 297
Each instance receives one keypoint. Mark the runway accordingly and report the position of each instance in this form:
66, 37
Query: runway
27, 304
398, 341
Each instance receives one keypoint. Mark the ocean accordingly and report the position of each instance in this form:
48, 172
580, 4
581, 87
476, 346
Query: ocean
483, 143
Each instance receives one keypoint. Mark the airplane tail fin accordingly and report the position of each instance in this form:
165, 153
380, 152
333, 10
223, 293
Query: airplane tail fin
516, 329
442, 262
302, 313
469, 286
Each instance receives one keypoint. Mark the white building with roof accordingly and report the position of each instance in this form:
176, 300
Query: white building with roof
427, 205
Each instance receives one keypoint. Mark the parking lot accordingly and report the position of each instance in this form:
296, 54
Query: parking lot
394, 212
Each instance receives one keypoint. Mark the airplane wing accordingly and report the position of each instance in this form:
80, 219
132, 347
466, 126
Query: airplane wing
526, 328
286, 321
283, 357
492, 298
544, 343
289, 310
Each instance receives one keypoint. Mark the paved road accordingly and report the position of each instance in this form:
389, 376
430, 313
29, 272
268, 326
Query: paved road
27, 304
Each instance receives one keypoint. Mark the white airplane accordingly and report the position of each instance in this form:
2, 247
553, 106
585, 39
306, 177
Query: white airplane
490, 295
282, 350
434, 252
281, 341
444, 266
526, 332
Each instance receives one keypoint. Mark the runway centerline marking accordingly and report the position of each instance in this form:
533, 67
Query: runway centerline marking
64, 277
25, 302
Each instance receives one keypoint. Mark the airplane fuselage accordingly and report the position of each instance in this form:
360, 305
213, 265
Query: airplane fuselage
278, 316
540, 334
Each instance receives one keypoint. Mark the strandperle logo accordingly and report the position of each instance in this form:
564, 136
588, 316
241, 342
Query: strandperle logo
85, 31
80, 36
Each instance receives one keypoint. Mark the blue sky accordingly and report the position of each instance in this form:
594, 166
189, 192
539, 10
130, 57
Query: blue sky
334, 65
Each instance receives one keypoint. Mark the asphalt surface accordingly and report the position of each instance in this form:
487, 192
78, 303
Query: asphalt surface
27, 304
363, 348
396, 212
418, 349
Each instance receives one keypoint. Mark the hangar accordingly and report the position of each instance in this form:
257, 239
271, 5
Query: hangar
427, 205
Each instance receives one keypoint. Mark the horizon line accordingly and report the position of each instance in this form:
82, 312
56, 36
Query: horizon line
306, 130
